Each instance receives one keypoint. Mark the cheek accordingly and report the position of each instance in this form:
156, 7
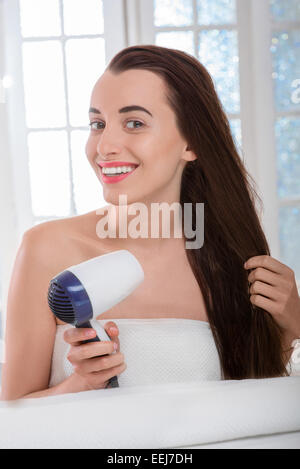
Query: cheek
155, 152
162, 159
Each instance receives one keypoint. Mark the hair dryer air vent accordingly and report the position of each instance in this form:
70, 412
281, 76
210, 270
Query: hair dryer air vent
68, 299
60, 303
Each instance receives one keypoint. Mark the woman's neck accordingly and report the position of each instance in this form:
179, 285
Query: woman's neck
143, 226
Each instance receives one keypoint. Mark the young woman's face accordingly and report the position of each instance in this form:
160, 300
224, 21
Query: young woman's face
151, 141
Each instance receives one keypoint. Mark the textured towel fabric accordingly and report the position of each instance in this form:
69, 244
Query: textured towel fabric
238, 413
156, 350
173, 411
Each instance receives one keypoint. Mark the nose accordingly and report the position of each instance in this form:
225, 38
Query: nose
107, 143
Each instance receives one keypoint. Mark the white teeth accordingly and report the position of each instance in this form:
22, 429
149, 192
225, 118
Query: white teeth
117, 170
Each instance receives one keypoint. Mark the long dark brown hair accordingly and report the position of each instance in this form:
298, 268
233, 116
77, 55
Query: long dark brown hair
248, 340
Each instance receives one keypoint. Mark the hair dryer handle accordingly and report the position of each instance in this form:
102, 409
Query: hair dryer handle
112, 382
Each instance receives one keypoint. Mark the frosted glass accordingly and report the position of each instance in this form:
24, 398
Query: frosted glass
286, 69
285, 10
216, 11
181, 40
173, 12
287, 131
235, 125
85, 63
218, 52
83, 17
44, 84
49, 173
290, 237
88, 192
39, 18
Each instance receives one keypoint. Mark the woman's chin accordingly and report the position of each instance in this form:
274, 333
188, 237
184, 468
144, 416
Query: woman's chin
116, 197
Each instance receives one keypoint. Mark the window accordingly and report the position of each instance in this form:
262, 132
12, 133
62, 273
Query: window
206, 29
285, 51
63, 53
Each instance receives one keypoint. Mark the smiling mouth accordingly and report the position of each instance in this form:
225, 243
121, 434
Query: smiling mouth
116, 176
111, 172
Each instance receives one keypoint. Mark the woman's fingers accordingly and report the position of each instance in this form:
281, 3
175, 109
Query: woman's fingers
74, 335
264, 275
113, 331
100, 379
90, 350
266, 262
274, 289
100, 363
261, 288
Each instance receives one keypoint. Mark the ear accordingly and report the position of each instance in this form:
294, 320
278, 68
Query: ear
189, 155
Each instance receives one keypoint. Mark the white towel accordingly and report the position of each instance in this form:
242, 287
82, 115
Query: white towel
156, 350
162, 416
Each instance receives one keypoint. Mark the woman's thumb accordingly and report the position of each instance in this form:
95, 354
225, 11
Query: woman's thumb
113, 332
112, 328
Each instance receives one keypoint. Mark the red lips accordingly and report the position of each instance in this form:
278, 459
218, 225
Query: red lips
112, 164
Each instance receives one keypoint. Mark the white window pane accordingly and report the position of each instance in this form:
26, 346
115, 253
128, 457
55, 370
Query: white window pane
216, 11
83, 17
235, 125
286, 69
88, 192
289, 237
285, 10
85, 63
287, 132
181, 40
173, 12
40, 18
218, 52
44, 84
49, 173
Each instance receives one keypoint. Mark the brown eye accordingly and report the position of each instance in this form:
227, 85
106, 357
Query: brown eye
95, 122
137, 122
91, 124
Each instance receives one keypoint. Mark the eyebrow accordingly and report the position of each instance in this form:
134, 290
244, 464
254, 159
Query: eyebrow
133, 107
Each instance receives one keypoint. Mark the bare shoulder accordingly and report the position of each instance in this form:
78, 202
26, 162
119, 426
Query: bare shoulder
66, 241
55, 245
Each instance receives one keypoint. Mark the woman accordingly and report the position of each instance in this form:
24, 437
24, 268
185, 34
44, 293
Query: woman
183, 151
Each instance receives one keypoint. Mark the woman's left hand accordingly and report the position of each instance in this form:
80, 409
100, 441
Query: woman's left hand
274, 288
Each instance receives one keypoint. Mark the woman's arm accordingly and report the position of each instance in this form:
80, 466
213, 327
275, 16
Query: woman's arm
74, 383
30, 324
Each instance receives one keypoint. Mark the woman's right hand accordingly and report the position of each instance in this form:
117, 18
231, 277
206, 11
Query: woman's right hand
92, 368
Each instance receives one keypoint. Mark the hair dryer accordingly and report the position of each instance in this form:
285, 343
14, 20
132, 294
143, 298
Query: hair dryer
83, 291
